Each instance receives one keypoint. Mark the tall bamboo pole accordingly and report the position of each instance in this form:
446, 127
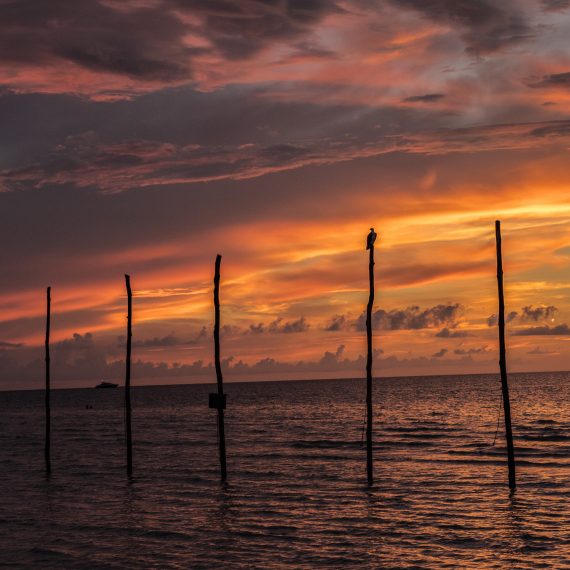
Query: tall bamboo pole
47, 448
503, 361
128, 377
369, 414
220, 381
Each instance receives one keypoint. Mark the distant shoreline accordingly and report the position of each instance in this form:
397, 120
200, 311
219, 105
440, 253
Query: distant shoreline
283, 380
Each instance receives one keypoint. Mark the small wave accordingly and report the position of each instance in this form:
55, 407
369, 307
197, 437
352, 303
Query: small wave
499, 461
414, 429
544, 437
427, 436
165, 534
323, 444
48, 552
411, 443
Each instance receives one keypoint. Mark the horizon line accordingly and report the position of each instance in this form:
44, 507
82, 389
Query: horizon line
344, 378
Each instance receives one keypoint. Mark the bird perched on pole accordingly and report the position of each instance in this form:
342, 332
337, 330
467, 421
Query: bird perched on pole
371, 238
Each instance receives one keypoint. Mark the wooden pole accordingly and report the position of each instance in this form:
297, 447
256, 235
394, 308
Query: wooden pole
220, 400
369, 459
128, 377
503, 361
47, 449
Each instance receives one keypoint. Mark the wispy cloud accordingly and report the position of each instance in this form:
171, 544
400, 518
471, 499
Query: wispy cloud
558, 330
427, 98
85, 161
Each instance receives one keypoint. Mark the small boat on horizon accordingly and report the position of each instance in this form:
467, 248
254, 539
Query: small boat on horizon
104, 384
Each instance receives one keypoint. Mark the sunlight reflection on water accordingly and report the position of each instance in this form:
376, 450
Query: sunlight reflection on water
297, 495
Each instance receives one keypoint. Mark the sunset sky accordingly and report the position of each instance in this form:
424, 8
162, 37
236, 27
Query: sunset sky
146, 136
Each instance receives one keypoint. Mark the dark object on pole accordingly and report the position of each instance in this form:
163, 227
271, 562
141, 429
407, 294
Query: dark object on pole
215, 402
47, 449
128, 377
503, 361
218, 400
369, 414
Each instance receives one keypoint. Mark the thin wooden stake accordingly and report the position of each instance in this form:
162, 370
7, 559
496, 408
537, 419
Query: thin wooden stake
220, 401
47, 449
369, 414
128, 377
503, 361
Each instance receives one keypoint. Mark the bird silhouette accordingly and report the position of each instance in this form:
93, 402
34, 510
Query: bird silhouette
371, 238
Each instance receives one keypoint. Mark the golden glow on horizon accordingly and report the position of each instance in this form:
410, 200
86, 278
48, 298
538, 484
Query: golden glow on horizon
315, 270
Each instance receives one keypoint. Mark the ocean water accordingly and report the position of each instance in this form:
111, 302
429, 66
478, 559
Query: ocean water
296, 496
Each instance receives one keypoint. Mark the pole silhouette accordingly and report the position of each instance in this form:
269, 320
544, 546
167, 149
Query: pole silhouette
369, 412
218, 400
47, 448
503, 361
128, 377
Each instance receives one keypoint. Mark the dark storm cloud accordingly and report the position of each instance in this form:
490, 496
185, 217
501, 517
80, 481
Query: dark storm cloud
558, 129
147, 42
184, 136
494, 137
553, 80
337, 323
77, 342
240, 28
527, 314
440, 353
470, 351
94, 366
76, 357
160, 44
488, 25
427, 98
231, 148
536, 314
410, 318
494, 319
297, 326
157, 342
446, 333
172, 341
86, 161
256, 329
96, 36
558, 330
229, 134
555, 5
83, 357
413, 318
280, 326
307, 51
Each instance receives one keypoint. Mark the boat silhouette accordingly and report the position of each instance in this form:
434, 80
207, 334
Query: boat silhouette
104, 384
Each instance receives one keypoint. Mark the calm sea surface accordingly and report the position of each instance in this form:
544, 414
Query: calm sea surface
296, 496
